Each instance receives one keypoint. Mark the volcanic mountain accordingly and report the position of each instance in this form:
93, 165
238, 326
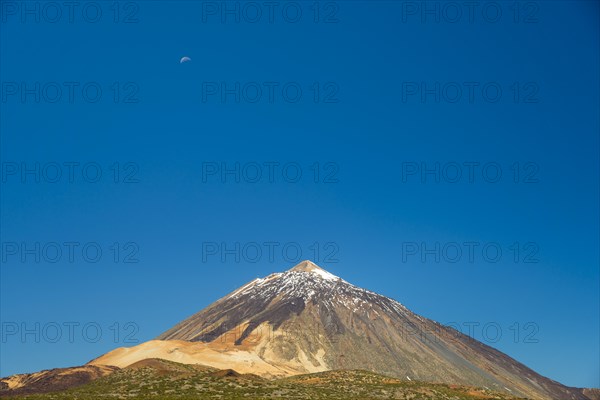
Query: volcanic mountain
307, 320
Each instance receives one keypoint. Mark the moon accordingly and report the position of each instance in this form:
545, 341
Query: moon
184, 60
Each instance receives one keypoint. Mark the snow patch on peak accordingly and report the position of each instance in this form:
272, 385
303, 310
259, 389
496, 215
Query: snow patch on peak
310, 267
325, 275
252, 284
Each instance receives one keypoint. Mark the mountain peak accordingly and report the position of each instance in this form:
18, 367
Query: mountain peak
307, 320
310, 267
306, 266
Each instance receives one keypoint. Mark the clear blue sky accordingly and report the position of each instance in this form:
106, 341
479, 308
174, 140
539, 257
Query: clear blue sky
370, 63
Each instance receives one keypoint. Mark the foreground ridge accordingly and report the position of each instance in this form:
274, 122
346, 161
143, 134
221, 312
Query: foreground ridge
161, 379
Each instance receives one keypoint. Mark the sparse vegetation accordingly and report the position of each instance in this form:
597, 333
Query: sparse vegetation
170, 381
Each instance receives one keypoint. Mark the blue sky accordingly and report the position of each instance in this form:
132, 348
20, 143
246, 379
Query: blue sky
385, 97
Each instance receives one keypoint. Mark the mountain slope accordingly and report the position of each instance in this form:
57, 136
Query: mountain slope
52, 380
308, 320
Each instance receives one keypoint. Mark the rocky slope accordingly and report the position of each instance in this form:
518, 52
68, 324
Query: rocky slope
52, 380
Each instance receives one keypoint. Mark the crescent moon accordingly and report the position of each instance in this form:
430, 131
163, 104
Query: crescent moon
184, 60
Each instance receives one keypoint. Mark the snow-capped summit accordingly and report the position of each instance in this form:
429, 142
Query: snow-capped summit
310, 267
